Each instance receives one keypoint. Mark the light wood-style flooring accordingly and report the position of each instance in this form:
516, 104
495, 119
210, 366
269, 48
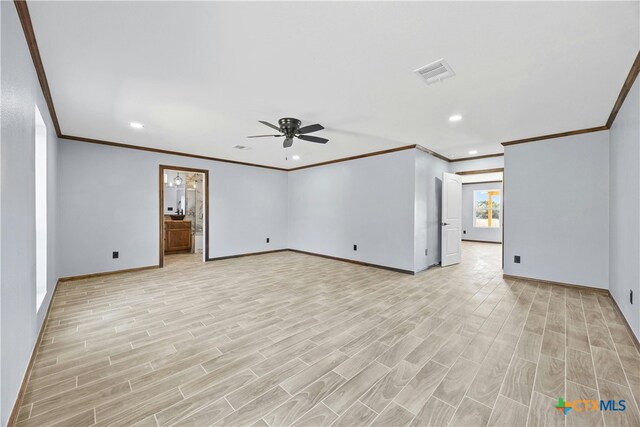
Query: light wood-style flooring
290, 339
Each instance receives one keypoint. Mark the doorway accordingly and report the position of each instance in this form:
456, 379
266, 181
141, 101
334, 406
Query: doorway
183, 213
482, 214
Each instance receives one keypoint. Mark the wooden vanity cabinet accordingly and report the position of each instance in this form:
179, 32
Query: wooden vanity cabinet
177, 237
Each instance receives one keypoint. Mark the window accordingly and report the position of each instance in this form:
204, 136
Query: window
41, 208
486, 208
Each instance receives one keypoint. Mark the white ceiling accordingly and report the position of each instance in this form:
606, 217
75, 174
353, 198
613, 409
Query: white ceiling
199, 75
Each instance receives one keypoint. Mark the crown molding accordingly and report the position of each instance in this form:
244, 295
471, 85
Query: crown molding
480, 171
433, 153
359, 156
554, 135
27, 27
624, 91
484, 156
161, 151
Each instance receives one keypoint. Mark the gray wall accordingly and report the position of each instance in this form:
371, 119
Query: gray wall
468, 231
388, 205
110, 203
624, 211
20, 323
368, 202
556, 209
428, 206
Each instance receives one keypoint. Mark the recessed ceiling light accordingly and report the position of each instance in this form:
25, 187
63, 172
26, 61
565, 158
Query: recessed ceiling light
295, 157
136, 125
455, 118
472, 152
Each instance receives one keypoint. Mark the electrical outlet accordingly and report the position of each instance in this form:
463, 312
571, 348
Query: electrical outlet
516, 259
426, 251
267, 240
116, 254
355, 247
464, 231
631, 296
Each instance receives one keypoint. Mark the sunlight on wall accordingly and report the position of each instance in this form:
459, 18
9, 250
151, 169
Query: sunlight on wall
41, 208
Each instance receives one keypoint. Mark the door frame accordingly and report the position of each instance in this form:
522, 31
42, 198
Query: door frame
502, 208
205, 172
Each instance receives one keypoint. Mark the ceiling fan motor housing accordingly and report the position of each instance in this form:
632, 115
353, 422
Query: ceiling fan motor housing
289, 126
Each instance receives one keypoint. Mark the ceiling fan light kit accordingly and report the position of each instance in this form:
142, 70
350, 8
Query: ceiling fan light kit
289, 128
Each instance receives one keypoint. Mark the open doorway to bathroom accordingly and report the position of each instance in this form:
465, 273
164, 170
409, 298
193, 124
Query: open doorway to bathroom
184, 214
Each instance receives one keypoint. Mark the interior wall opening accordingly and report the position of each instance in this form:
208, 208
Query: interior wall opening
483, 213
184, 198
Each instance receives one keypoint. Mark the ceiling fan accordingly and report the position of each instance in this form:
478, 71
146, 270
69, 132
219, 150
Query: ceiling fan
290, 128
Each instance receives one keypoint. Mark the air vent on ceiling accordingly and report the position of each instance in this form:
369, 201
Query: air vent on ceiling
435, 72
242, 147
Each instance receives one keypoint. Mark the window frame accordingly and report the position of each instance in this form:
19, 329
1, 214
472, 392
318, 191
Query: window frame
489, 208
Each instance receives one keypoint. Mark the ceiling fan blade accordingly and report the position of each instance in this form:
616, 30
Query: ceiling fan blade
313, 139
288, 142
310, 128
261, 136
270, 125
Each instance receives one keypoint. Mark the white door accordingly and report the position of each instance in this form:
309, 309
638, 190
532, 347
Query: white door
451, 218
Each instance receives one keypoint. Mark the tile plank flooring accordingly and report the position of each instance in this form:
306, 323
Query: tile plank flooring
290, 339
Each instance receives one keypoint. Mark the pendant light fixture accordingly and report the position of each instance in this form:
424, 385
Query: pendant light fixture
178, 180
